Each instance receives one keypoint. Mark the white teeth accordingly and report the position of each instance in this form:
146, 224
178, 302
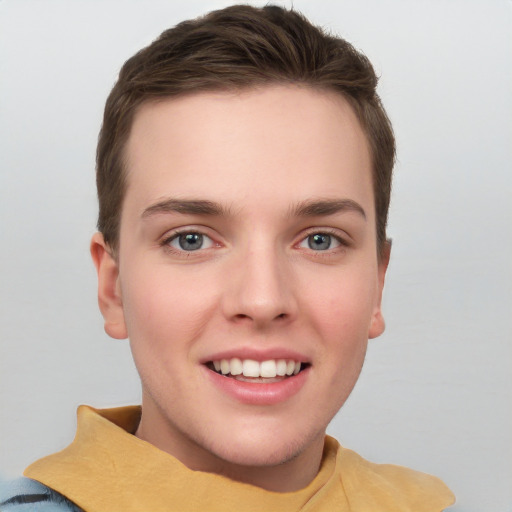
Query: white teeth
224, 366
251, 368
236, 366
281, 367
268, 369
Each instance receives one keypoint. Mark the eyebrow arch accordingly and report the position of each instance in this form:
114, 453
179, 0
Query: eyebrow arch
184, 206
324, 207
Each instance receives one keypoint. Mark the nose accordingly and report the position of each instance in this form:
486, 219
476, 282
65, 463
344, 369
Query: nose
260, 288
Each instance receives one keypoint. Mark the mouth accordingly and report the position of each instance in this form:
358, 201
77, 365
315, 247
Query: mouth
250, 370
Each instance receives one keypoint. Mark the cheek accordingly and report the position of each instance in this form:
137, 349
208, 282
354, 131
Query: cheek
165, 312
342, 304
341, 312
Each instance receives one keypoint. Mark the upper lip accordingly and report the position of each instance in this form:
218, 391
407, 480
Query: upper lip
257, 354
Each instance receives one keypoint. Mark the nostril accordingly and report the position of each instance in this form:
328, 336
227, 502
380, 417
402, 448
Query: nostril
260, 317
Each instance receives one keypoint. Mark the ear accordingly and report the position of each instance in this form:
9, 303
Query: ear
109, 290
377, 325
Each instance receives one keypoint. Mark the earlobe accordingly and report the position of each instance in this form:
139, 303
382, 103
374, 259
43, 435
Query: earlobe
378, 325
109, 292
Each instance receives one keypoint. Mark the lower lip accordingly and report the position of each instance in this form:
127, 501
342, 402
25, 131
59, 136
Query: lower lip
259, 393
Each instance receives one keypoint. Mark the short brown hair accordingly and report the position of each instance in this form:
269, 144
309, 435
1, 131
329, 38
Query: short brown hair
234, 48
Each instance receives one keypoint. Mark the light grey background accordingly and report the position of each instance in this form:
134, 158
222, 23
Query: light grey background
436, 392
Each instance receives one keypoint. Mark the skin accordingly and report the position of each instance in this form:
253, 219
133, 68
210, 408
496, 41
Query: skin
256, 284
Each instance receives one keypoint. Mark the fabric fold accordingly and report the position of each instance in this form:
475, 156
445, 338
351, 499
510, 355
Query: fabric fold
106, 468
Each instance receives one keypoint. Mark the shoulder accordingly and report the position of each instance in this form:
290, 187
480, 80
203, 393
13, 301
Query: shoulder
26, 495
387, 486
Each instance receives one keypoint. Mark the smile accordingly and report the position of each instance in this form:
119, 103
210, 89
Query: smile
252, 369
252, 382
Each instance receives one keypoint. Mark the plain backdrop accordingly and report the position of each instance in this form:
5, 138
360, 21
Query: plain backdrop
436, 391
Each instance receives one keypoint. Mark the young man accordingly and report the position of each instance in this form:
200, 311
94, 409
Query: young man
244, 171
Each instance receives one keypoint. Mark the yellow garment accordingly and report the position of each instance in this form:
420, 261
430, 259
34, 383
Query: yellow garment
106, 469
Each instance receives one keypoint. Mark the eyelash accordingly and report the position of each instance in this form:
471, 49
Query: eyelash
335, 234
166, 242
343, 243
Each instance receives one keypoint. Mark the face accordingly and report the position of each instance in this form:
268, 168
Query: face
247, 250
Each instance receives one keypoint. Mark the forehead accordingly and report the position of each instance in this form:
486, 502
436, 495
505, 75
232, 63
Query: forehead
238, 145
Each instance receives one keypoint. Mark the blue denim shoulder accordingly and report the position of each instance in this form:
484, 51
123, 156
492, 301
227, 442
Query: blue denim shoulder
26, 495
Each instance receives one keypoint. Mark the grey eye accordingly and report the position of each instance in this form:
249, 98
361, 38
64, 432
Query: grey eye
319, 241
191, 241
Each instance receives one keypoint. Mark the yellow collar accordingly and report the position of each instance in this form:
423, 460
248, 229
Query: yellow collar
106, 469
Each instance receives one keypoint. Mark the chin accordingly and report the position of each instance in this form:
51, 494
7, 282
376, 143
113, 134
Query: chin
259, 457
261, 451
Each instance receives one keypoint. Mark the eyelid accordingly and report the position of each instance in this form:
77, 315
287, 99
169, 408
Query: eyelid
344, 239
175, 233
207, 242
340, 235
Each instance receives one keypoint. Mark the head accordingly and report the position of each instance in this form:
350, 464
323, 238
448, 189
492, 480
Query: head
244, 168
234, 49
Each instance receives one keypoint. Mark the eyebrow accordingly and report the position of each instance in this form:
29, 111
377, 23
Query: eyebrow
185, 206
310, 208
325, 207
